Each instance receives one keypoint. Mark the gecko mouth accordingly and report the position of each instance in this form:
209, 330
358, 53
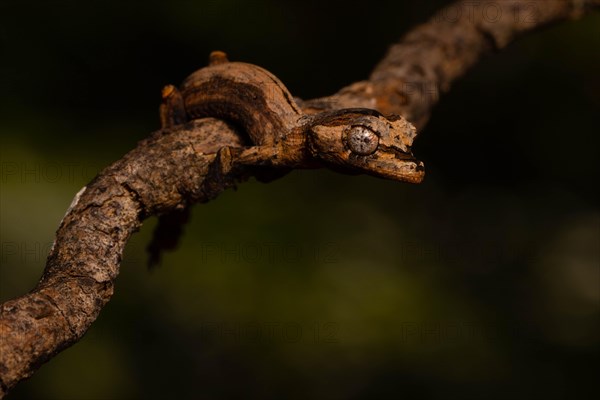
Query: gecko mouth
408, 171
397, 166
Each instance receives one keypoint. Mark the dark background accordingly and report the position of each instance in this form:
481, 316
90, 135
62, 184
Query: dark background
482, 282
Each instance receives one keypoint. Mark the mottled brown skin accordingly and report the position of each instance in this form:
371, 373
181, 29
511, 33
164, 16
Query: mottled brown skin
279, 133
280, 136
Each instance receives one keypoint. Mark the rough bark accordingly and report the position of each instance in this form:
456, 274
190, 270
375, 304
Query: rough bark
173, 168
429, 58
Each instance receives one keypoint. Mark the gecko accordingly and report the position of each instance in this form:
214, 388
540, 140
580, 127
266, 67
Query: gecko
279, 135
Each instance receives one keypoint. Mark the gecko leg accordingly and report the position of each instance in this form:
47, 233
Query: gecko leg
263, 161
172, 110
167, 233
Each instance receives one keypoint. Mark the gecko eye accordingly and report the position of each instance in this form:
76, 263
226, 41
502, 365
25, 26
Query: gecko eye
362, 140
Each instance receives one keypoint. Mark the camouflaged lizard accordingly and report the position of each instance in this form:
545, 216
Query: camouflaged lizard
281, 136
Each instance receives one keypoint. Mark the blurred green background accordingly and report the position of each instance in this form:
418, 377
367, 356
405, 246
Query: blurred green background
482, 282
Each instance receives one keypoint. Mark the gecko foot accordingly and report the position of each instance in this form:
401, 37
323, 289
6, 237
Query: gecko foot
217, 57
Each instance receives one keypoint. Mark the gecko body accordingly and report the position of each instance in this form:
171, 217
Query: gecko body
280, 136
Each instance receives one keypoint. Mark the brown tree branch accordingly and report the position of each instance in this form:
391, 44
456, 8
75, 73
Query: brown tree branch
173, 168
430, 57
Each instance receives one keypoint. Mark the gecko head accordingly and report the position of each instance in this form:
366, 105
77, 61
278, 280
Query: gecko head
364, 141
